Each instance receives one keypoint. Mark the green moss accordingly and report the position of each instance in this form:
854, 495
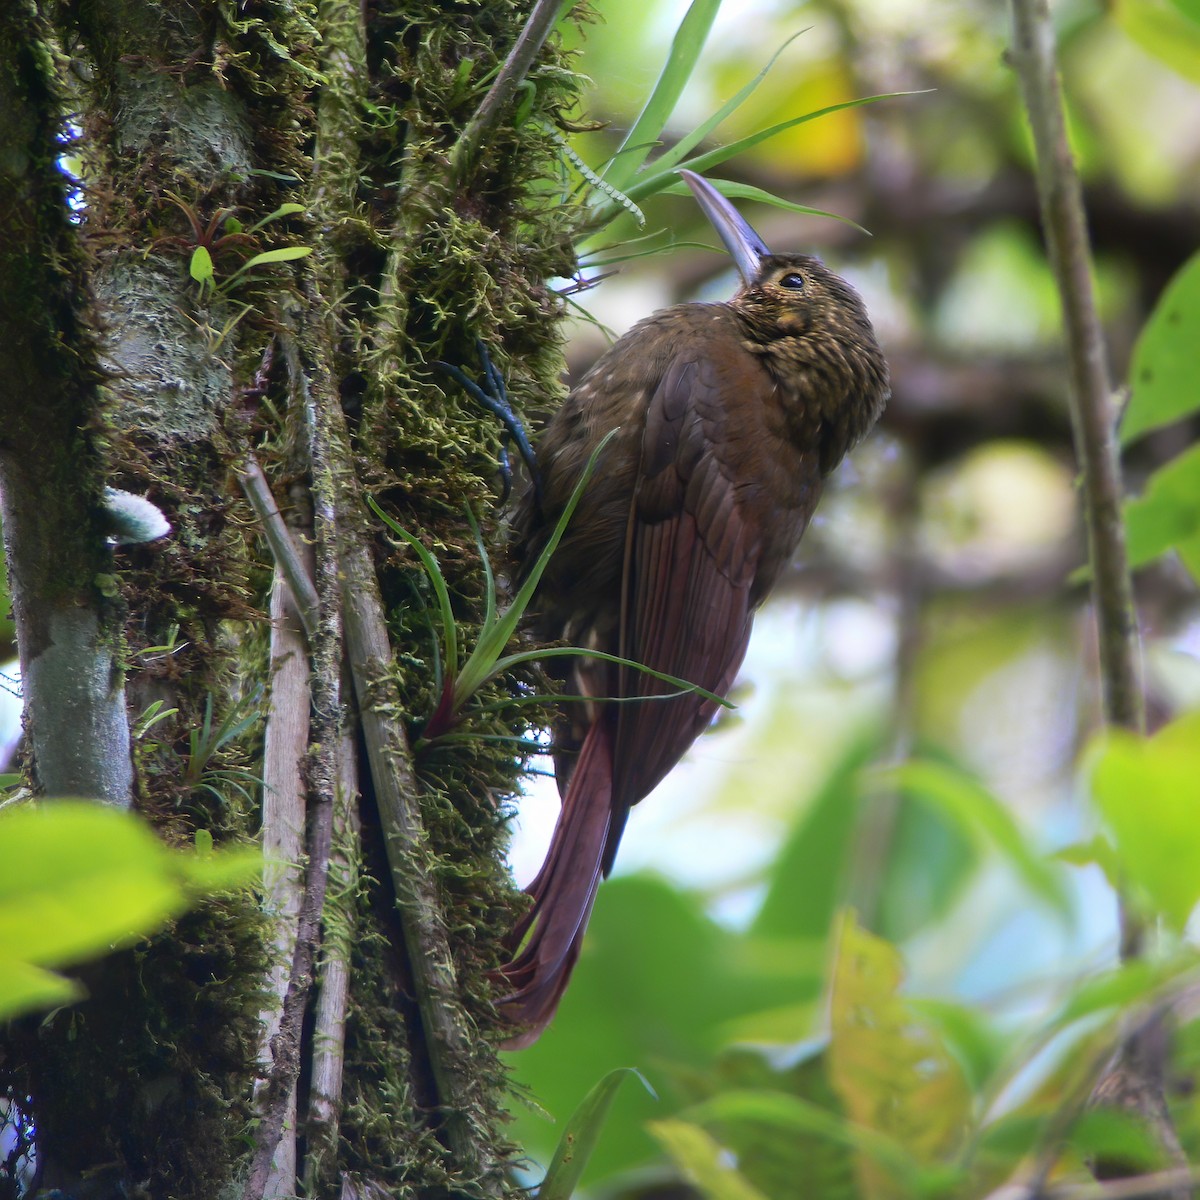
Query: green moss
425, 271
146, 1074
439, 271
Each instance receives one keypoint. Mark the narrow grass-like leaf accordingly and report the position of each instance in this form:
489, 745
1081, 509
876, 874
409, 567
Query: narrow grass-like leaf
580, 1135
719, 155
435, 643
451, 739
586, 261
649, 252
687, 143
479, 667
642, 148
284, 210
654, 180
489, 613
746, 191
437, 579
573, 698
686, 686
681, 62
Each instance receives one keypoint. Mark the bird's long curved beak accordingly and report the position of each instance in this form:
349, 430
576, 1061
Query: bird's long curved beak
747, 248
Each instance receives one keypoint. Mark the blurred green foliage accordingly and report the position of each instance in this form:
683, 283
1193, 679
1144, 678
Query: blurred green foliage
850, 980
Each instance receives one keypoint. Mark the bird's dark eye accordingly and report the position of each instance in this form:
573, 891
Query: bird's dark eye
792, 280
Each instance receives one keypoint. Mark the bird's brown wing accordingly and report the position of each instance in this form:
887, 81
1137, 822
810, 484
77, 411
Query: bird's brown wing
690, 563
692, 552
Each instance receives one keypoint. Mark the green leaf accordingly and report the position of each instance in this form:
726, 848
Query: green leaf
200, 268
284, 210
703, 161
1011, 1136
1167, 514
703, 1162
807, 884
657, 982
1147, 791
78, 879
688, 142
283, 254
580, 1135
794, 1117
970, 1036
685, 686
220, 871
774, 1145
982, 816
681, 62
1113, 1135
1099, 852
489, 577
1162, 375
1122, 987
481, 665
1165, 31
26, 988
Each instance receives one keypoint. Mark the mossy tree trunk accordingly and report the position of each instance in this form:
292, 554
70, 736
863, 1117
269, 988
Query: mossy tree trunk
273, 656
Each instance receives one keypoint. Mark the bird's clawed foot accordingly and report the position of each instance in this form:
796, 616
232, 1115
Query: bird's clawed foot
493, 395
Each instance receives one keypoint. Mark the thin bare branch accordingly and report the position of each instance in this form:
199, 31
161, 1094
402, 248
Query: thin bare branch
1136, 1187
288, 559
276, 1099
1136, 1080
329, 1022
283, 823
1091, 393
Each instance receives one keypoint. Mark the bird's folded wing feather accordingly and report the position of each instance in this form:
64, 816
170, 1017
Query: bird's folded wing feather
690, 565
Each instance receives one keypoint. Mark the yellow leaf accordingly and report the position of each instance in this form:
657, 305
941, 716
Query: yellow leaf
888, 1063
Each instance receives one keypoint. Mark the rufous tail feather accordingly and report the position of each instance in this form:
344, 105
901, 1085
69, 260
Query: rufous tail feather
545, 944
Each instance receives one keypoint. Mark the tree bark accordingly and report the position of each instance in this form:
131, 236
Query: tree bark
139, 354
